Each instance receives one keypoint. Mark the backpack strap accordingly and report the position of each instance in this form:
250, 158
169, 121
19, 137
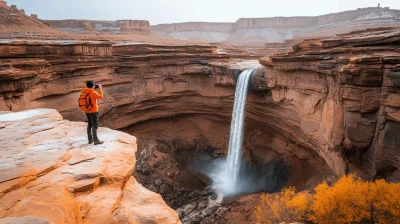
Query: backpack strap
90, 101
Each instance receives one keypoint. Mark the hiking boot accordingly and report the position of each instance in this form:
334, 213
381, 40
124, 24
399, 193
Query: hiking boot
98, 142
90, 141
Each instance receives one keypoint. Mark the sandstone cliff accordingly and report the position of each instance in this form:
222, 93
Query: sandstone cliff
345, 91
15, 24
85, 26
13, 21
257, 31
49, 174
329, 107
52, 73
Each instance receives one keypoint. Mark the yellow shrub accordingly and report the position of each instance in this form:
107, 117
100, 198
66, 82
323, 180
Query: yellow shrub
340, 203
286, 206
350, 200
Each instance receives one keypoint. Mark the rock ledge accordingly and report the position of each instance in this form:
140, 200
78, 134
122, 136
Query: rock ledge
49, 174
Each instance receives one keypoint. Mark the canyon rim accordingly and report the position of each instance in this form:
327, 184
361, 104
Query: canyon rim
317, 98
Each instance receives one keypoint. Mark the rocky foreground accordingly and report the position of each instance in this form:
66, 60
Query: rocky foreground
49, 174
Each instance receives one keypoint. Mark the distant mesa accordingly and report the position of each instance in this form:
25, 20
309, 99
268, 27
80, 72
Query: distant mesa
83, 26
258, 31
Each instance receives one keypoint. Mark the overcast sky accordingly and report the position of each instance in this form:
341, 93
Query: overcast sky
174, 11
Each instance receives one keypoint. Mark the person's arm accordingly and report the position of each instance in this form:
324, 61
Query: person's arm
98, 95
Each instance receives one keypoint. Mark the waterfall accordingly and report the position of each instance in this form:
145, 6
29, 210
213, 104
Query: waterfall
232, 167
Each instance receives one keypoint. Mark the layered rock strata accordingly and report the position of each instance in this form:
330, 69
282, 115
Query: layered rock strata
49, 174
328, 107
149, 86
51, 73
13, 21
257, 31
146, 85
345, 92
82, 26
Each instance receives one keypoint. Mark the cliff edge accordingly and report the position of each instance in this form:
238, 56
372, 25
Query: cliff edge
49, 174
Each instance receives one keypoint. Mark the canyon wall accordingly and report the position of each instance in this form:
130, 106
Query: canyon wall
195, 26
345, 91
331, 106
49, 174
147, 85
82, 26
258, 31
195, 31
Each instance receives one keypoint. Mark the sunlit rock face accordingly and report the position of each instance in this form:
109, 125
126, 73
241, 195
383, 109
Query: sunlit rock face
49, 174
258, 31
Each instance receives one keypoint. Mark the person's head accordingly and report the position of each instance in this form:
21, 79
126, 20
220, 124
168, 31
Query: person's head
89, 84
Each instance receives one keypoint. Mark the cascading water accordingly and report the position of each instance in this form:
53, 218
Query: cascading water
232, 166
234, 176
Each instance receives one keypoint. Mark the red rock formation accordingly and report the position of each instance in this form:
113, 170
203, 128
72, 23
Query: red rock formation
58, 61
82, 26
14, 21
35, 16
346, 93
51, 175
143, 83
332, 103
258, 31
47, 48
256, 52
132, 25
195, 26
3, 4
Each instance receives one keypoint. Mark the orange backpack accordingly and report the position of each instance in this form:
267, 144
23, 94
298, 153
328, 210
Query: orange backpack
85, 103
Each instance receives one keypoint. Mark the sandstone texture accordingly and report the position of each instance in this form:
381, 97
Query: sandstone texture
345, 91
85, 26
258, 31
50, 74
177, 99
15, 24
329, 106
49, 174
13, 20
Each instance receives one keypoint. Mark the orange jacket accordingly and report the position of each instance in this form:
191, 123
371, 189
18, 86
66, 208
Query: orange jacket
94, 96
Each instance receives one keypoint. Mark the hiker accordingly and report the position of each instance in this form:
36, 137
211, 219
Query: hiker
88, 103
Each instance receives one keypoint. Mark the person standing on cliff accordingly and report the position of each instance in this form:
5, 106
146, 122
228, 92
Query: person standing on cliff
91, 107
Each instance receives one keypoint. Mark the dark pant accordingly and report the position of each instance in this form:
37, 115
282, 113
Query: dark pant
93, 124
